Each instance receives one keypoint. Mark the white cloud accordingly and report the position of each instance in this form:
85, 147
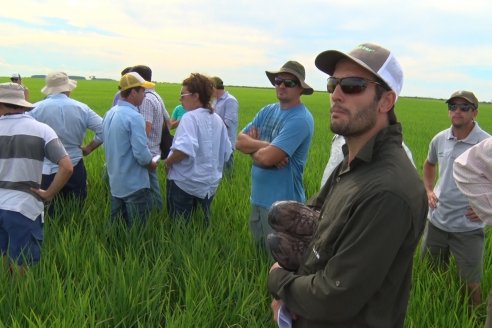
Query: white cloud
443, 42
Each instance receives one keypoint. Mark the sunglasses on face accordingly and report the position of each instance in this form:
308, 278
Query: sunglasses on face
463, 107
349, 85
289, 83
181, 96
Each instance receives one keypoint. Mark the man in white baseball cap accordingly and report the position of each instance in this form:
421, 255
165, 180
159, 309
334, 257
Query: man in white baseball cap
25, 144
373, 206
16, 78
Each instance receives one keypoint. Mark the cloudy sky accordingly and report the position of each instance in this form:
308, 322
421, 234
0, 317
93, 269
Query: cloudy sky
443, 45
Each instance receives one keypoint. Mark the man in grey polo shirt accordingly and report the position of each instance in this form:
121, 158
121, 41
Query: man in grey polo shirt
453, 227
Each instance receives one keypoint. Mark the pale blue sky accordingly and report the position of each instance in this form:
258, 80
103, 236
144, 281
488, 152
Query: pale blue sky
443, 45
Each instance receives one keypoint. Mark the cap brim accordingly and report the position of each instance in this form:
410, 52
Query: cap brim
307, 90
327, 61
148, 85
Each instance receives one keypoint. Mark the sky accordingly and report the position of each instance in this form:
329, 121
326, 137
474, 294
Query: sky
442, 45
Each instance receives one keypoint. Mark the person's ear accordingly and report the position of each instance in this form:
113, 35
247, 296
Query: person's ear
387, 101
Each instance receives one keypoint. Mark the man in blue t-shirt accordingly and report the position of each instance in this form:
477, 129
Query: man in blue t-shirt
278, 141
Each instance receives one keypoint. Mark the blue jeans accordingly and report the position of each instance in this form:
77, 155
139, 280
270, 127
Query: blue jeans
228, 166
132, 208
20, 237
75, 188
182, 204
155, 190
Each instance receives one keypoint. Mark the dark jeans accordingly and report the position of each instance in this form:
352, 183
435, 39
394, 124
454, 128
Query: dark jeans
75, 188
134, 208
182, 204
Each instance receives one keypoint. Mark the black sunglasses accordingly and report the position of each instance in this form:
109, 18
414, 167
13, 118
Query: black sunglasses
463, 107
289, 83
350, 85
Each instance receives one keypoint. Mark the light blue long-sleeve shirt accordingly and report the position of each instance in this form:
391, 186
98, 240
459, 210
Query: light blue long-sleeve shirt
70, 119
126, 150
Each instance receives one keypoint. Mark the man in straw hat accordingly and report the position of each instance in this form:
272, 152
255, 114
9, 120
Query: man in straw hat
278, 141
453, 227
70, 119
128, 157
357, 269
24, 144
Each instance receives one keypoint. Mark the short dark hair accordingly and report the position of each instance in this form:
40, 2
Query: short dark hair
143, 71
12, 106
126, 70
126, 93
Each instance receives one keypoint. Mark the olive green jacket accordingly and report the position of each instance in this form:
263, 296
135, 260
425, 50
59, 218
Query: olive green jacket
357, 270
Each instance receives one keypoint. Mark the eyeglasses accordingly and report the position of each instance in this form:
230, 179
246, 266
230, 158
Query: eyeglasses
465, 107
349, 85
289, 83
181, 96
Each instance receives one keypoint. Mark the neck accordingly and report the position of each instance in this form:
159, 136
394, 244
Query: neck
356, 142
10, 111
461, 132
290, 103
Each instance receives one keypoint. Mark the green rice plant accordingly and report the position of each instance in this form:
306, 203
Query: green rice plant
94, 274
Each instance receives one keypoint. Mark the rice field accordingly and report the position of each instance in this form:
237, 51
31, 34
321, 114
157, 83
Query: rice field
169, 274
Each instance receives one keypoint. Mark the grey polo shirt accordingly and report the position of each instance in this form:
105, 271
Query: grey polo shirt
444, 148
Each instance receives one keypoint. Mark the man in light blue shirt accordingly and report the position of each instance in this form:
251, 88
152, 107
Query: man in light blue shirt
278, 141
155, 115
227, 107
70, 119
128, 157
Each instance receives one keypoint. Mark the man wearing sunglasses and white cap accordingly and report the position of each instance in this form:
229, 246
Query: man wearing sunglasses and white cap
278, 141
357, 270
25, 143
453, 227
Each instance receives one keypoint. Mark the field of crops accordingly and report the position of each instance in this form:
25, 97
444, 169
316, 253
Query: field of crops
97, 275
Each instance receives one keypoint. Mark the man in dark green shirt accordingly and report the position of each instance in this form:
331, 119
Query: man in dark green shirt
357, 270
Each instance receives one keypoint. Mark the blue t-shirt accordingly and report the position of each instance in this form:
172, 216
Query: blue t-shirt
290, 130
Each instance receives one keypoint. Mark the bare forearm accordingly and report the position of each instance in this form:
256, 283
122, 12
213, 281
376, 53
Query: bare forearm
65, 170
176, 157
249, 145
429, 176
87, 149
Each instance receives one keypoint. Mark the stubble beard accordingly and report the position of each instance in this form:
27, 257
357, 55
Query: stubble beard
357, 123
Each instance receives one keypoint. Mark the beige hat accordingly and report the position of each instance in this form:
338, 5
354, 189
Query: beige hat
294, 68
13, 93
58, 82
132, 80
467, 95
372, 57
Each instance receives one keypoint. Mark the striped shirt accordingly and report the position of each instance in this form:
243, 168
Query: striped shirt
24, 143
154, 112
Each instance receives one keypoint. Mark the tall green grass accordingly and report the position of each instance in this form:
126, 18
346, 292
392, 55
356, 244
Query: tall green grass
97, 275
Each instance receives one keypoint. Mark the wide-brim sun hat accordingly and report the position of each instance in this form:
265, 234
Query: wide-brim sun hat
58, 82
296, 69
372, 57
133, 80
13, 93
